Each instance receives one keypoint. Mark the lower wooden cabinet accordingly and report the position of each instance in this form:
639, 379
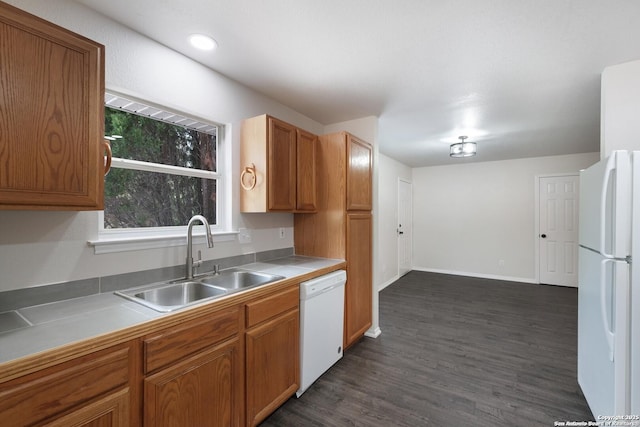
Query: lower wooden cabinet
228, 367
272, 346
194, 372
272, 367
91, 390
203, 390
358, 291
110, 411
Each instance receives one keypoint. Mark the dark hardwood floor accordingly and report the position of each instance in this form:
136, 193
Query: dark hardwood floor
454, 351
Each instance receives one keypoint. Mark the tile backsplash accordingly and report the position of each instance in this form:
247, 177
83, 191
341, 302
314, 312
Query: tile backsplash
26, 297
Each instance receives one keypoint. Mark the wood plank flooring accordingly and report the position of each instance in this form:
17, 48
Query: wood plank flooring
454, 351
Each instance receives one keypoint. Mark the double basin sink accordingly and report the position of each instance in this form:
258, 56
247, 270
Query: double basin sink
172, 296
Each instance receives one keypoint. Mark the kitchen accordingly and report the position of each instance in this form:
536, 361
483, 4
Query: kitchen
55, 238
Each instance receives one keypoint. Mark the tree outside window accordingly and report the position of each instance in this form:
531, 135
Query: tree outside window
162, 173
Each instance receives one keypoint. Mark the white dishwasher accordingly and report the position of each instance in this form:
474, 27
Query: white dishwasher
321, 325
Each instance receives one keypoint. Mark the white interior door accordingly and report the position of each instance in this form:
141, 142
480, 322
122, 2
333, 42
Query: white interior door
558, 230
404, 227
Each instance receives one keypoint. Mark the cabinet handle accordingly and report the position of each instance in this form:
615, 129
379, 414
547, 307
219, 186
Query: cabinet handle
251, 171
107, 158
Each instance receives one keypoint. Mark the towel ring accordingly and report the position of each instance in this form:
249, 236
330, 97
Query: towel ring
251, 171
107, 157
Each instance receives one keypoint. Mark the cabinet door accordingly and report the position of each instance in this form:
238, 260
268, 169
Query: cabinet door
272, 365
204, 390
306, 194
281, 166
358, 291
52, 115
111, 411
45, 395
359, 174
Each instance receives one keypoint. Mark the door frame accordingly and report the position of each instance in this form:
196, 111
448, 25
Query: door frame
410, 216
536, 236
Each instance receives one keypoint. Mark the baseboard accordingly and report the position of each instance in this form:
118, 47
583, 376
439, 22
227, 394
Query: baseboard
388, 282
479, 275
373, 333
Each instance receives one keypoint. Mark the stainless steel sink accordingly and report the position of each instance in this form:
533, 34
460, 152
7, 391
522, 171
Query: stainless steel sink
172, 296
234, 279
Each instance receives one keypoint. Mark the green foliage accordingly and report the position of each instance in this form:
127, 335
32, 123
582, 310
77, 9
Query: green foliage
148, 199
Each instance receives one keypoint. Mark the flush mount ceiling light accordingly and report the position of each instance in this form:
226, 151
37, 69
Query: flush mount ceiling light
462, 149
202, 42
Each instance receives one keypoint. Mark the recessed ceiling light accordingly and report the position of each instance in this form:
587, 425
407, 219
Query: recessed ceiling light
202, 42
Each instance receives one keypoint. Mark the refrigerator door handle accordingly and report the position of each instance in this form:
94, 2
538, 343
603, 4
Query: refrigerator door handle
603, 306
608, 171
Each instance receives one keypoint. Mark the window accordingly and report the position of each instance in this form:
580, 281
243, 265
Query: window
164, 168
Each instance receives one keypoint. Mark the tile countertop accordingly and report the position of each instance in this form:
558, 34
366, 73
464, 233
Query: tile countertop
64, 322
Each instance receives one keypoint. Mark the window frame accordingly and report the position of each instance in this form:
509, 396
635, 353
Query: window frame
126, 239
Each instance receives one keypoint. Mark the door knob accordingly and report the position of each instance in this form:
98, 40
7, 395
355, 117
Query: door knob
544, 236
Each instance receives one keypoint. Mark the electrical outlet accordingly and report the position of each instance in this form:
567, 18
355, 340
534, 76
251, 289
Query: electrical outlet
282, 232
501, 263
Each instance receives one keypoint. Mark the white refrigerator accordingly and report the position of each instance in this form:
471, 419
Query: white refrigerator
609, 286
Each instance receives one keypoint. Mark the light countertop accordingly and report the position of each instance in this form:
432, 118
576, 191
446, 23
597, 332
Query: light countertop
65, 322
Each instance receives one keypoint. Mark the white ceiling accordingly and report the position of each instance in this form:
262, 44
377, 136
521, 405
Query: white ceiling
520, 77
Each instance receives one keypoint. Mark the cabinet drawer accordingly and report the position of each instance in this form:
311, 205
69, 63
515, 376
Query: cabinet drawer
175, 343
266, 308
45, 394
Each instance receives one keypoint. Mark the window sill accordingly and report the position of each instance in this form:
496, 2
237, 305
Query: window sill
121, 243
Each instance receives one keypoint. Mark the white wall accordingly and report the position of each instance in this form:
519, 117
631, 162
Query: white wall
620, 108
390, 171
49, 247
469, 216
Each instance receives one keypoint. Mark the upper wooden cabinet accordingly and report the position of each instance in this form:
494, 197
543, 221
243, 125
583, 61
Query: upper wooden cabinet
278, 167
359, 174
306, 188
51, 115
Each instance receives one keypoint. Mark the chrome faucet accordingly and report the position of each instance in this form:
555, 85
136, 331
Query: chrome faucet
190, 263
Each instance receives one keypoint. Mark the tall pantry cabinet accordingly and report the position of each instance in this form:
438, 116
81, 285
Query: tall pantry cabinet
342, 226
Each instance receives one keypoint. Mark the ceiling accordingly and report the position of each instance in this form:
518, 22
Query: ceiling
520, 78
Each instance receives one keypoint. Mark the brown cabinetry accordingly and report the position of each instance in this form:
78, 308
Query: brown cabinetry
359, 174
341, 228
227, 366
358, 294
272, 353
306, 188
278, 167
199, 391
110, 411
92, 390
51, 115
196, 373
